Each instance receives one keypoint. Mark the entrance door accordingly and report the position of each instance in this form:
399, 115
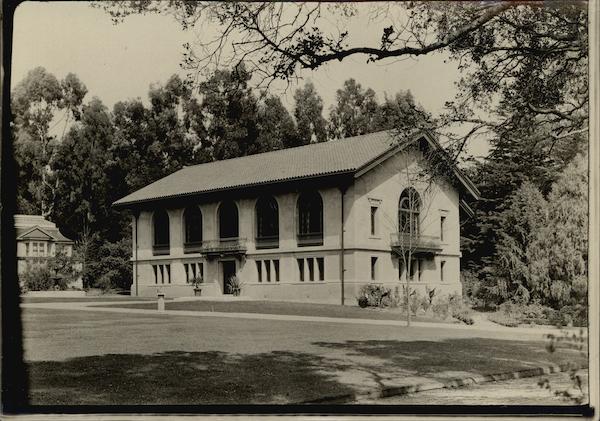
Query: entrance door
228, 272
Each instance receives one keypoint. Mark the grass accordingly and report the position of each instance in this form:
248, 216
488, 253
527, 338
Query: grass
83, 299
286, 308
84, 358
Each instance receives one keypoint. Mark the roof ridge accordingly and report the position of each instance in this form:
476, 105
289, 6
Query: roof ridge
327, 142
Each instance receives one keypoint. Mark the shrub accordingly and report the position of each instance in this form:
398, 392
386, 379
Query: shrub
363, 301
414, 302
374, 294
391, 299
109, 266
504, 319
441, 309
464, 315
38, 278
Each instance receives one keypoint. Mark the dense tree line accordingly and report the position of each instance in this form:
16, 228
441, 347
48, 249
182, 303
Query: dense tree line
73, 175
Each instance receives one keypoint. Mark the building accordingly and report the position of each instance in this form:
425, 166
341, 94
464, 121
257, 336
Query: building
37, 241
312, 223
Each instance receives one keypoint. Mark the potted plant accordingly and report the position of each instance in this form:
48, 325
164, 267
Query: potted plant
235, 285
197, 281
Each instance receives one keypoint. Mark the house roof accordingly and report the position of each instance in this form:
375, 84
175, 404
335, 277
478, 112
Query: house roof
41, 233
319, 159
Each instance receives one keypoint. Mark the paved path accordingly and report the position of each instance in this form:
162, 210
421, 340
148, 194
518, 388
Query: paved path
103, 306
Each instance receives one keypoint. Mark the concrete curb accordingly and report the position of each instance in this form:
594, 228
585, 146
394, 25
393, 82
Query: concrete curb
390, 391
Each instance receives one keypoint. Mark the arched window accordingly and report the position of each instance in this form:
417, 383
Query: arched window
310, 219
192, 222
228, 220
408, 212
267, 223
161, 232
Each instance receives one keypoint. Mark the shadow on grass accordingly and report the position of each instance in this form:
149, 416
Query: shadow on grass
278, 377
444, 359
181, 378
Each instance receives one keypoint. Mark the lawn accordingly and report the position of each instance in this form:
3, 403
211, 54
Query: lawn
84, 299
108, 358
286, 308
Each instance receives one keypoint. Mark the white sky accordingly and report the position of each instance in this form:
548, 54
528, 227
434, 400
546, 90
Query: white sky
118, 62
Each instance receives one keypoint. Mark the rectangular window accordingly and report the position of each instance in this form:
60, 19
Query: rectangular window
276, 268
193, 270
162, 274
373, 220
321, 266
442, 223
186, 267
420, 265
26, 249
155, 274
442, 265
259, 270
201, 270
300, 269
311, 268
400, 269
373, 268
413, 268
168, 268
268, 270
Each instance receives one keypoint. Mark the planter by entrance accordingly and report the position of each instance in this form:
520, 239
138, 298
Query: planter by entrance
236, 291
197, 292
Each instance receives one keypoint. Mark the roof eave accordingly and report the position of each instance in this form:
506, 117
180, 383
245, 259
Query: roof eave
134, 203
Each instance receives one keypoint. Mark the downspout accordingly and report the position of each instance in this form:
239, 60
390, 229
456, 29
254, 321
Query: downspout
136, 216
342, 266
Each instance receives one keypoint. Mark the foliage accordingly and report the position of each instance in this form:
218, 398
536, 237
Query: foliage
197, 281
110, 265
374, 294
41, 278
64, 266
308, 112
36, 102
235, 284
541, 253
441, 309
514, 314
522, 64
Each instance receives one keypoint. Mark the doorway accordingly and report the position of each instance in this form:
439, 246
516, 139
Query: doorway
228, 271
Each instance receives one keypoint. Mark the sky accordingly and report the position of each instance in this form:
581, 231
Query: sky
119, 62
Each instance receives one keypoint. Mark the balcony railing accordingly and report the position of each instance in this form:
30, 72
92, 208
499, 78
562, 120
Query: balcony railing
224, 247
160, 249
417, 243
192, 247
310, 239
267, 242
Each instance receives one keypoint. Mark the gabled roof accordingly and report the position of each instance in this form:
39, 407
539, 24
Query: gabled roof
348, 155
41, 233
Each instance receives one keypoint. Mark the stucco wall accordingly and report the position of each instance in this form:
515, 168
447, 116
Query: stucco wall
380, 187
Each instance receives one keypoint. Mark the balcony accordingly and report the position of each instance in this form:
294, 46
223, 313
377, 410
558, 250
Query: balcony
224, 247
160, 249
310, 239
415, 243
193, 247
267, 242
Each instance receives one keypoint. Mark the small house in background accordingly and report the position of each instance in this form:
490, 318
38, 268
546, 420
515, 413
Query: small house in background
37, 241
312, 223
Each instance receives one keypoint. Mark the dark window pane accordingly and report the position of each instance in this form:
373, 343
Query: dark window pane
310, 213
161, 228
193, 225
267, 218
228, 220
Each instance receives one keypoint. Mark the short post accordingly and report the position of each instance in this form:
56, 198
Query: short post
161, 301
